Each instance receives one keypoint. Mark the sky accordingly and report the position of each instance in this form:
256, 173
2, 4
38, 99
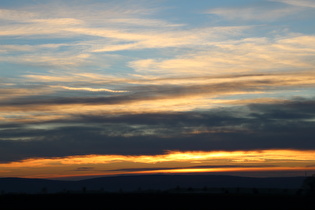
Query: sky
94, 88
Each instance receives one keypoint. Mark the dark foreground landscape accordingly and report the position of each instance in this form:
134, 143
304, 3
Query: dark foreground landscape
158, 192
158, 201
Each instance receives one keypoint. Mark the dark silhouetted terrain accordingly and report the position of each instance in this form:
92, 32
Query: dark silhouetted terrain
156, 201
146, 182
157, 192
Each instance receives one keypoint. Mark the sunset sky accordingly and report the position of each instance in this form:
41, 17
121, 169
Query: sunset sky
97, 87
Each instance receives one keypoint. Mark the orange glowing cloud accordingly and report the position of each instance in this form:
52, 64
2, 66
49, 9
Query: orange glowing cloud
171, 162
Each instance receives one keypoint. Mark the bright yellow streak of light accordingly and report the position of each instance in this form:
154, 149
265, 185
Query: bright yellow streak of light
177, 156
177, 161
203, 170
91, 89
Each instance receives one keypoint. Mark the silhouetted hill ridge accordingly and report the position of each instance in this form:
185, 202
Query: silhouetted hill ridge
145, 182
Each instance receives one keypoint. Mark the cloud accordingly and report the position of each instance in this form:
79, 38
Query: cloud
11, 92
91, 89
84, 169
51, 101
236, 56
91, 32
255, 127
39, 27
144, 22
158, 39
156, 92
184, 86
168, 162
16, 15
95, 32
98, 29
299, 3
263, 11
170, 169
76, 77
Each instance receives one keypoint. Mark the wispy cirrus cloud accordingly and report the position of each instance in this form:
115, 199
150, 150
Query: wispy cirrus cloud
147, 96
269, 11
300, 3
253, 13
252, 127
116, 32
151, 92
237, 56
213, 162
163, 39
91, 89
140, 78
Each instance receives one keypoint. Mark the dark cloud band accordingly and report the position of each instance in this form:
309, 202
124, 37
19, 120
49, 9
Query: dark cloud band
287, 125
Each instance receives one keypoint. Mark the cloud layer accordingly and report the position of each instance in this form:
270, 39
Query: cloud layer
285, 125
140, 78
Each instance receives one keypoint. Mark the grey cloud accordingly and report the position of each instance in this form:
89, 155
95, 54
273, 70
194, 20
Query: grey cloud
148, 92
83, 143
193, 167
297, 109
259, 11
260, 127
84, 169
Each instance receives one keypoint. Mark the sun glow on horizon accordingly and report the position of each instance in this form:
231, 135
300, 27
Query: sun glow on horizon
170, 162
141, 87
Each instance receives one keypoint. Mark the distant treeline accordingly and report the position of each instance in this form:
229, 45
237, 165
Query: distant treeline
175, 192
156, 201
214, 183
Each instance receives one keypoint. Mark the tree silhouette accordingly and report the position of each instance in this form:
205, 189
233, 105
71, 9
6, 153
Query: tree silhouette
309, 184
84, 189
44, 190
255, 191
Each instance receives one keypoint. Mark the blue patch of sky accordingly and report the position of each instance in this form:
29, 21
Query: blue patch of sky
17, 70
196, 14
289, 93
35, 40
19, 3
304, 26
189, 13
